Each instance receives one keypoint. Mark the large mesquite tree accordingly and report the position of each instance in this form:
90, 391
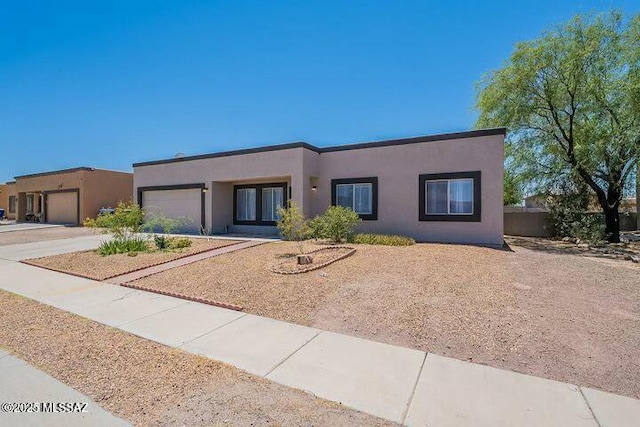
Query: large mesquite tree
571, 102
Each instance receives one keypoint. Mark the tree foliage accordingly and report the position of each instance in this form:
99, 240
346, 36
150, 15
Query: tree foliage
571, 102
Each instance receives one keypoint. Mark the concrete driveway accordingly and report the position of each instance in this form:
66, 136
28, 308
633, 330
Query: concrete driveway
51, 247
5, 228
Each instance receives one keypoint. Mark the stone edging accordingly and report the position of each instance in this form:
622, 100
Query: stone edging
84, 276
185, 297
275, 268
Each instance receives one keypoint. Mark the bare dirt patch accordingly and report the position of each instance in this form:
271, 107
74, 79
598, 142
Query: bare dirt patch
620, 251
565, 317
321, 258
92, 265
149, 384
42, 234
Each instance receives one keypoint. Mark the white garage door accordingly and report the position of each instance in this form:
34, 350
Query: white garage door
184, 205
62, 208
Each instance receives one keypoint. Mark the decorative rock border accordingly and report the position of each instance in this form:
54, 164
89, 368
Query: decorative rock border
85, 276
185, 297
311, 267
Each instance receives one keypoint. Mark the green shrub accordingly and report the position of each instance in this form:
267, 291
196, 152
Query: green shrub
293, 225
162, 242
570, 219
123, 245
336, 224
179, 243
123, 225
157, 222
382, 239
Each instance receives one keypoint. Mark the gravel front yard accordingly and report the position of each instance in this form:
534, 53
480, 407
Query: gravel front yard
42, 234
553, 315
92, 265
149, 384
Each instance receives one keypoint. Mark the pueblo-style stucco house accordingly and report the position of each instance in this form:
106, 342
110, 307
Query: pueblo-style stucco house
67, 196
441, 188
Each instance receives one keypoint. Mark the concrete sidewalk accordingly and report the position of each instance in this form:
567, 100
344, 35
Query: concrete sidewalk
22, 383
399, 384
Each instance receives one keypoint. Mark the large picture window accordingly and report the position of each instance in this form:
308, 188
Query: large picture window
450, 197
258, 204
359, 194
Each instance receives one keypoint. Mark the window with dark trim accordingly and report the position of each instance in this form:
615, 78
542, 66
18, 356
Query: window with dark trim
12, 204
450, 197
258, 204
359, 194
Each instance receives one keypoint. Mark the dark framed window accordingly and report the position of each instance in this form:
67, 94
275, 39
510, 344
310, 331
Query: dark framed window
12, 204
359, 194
30, 203
450, 197
258, 204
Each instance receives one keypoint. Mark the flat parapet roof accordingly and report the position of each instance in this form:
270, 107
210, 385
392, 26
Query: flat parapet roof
320, 150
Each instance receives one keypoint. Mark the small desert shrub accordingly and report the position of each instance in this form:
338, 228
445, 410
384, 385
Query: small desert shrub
179, 243
336, 224
570, 219
293, 225
162, 242
124, 223
382, 239
123, 245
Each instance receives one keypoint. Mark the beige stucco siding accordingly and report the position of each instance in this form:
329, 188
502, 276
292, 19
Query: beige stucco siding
220, 173
398, 168
97, 188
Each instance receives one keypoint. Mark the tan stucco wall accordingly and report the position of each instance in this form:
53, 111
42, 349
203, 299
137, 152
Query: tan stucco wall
273, 166
98, 187
11, 191
104, 188
4, 198
397, 168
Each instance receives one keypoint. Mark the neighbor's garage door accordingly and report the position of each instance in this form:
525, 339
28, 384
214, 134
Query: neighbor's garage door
184, 204
62, 208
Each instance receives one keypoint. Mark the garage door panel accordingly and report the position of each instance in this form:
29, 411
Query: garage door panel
176, 204
62, 208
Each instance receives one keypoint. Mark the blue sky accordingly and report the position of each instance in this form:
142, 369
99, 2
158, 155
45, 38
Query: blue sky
107, 84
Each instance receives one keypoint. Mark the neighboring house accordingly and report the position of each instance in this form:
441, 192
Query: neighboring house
67, 196
8, 200
444, 188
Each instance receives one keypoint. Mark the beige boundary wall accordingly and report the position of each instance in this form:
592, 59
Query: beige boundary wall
537, 224
308, 172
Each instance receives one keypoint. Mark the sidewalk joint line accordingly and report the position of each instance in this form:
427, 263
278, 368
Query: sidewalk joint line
277, 365
212, 330
589, 406
144, 317
413, 390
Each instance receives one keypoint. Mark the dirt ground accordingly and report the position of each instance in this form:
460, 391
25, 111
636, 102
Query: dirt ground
42, 234
622, 251
149, 384
554, 315
95, 266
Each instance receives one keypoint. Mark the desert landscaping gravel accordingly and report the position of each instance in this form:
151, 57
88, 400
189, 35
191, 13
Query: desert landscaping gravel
149, 384
566, 317
42, 234
95, 266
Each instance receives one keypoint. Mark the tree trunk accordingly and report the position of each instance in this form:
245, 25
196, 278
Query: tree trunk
612, 223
